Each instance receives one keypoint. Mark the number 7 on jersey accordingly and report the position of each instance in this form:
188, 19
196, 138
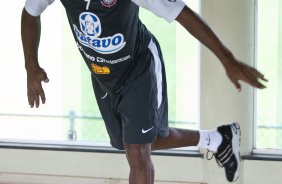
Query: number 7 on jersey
88, 4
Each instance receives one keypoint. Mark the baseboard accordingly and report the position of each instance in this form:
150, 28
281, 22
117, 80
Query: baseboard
16, 178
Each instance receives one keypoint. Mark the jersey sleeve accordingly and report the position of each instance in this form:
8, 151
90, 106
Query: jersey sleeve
36, 7
167, 9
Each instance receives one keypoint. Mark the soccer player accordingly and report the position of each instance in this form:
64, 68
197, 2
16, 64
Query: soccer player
128, 77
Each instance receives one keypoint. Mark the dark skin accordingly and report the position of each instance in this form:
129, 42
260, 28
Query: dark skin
139, 155
30, 31
235, 70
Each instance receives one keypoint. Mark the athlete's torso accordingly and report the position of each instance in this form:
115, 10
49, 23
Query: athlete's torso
109, 36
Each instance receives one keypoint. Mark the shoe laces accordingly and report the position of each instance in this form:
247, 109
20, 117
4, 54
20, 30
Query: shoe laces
208, 153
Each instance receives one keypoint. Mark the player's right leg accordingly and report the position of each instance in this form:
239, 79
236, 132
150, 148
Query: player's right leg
141, 166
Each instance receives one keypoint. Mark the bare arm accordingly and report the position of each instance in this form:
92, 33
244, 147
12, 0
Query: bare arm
235, 69
30, 32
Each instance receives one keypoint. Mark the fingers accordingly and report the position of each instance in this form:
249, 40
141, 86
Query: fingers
253, 76
44, 76
42, 96
33, 99
30, 100
238, 86
259, 75
37, 102
250, 76
35, 90
35, 96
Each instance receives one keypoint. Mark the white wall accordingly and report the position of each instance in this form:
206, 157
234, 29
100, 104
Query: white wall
220, 102
233, 21
57, 167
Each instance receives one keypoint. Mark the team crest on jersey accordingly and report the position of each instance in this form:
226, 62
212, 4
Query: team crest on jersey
108, 3
90, 25
90, 32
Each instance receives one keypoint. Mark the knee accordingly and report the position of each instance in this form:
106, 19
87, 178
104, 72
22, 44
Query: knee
138, 155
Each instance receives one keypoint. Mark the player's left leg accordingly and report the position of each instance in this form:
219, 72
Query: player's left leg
208, 139
177, 138
224, 143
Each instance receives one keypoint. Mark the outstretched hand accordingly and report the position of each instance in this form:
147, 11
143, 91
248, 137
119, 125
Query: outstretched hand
237, 70
35, 91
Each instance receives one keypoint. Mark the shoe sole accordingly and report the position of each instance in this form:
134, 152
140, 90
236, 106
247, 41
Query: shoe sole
236, 141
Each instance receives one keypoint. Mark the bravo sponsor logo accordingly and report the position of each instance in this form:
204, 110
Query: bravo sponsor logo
91, 30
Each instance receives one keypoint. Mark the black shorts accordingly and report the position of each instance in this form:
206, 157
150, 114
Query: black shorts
138, 113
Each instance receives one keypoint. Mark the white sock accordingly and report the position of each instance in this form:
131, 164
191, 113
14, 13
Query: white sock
209, 139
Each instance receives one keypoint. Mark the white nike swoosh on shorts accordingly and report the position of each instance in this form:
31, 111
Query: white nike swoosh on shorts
145, 131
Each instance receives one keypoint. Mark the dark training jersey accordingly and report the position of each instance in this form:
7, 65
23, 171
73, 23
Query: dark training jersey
109, 33
109, 39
